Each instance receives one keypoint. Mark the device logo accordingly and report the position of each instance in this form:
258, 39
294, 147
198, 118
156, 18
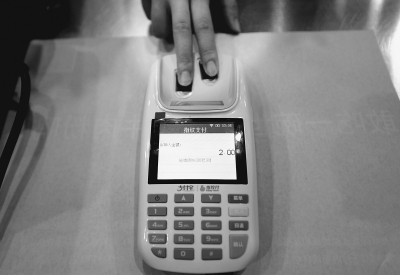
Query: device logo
209, 188
185, 188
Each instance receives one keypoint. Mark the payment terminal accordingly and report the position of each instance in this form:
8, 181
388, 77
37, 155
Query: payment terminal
198, 209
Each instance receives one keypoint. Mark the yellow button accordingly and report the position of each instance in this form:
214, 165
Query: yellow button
238, 212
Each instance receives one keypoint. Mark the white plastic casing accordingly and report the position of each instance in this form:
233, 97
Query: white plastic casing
231, 89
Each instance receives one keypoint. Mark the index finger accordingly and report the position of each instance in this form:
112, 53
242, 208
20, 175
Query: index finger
182, 32
204, 31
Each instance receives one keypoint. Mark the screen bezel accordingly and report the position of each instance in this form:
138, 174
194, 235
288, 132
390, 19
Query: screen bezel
241, 164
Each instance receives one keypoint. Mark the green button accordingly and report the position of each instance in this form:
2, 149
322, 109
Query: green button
237, 245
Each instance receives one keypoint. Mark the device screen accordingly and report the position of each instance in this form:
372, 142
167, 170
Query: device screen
197, 150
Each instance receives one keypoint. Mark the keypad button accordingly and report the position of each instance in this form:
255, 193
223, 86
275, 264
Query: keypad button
157, 198
238, 212
156, 224
211, 225
158, 238
184, 198
238, 198
184, 225
157, 211
211, 198
211, 254
183, 238
211, 239
184, 253
160, 252
237, 245
184, 211
211, 211
238, 225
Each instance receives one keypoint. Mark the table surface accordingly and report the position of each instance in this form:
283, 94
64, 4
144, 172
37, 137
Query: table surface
327, 127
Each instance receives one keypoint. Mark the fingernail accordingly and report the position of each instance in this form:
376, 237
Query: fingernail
185, 78
211, 68
236, 25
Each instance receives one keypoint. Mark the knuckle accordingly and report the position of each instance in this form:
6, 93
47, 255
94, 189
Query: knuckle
208, 53
182, 27
185, 61
203, 25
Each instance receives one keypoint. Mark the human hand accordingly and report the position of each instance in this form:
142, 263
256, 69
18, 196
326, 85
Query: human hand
178, 17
